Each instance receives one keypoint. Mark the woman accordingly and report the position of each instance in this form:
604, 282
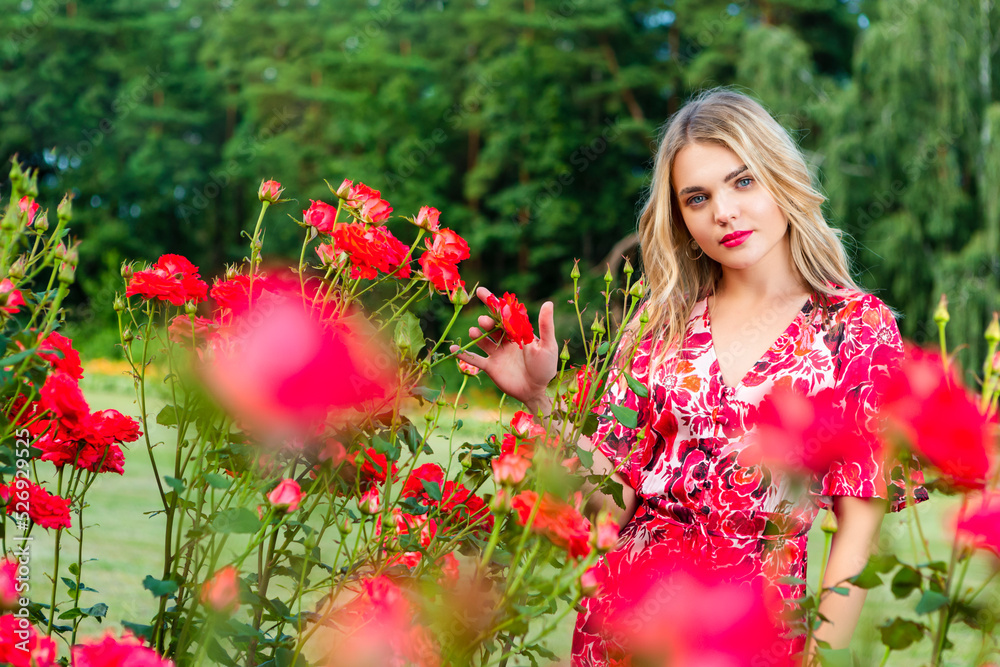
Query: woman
749, 290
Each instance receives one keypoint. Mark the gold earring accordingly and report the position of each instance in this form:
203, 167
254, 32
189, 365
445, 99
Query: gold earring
693, 245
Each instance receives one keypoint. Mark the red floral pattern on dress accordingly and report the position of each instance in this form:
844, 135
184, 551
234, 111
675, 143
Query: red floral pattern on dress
696, 502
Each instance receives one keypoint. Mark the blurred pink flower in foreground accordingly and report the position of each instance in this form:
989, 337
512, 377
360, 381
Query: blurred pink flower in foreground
378, 628
700, 619
222, 591
281, 369
108, 651
981, 528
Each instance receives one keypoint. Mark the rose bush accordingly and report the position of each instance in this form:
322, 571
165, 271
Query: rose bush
320, 504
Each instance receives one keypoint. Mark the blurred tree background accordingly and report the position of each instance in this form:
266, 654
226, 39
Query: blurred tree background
530, 123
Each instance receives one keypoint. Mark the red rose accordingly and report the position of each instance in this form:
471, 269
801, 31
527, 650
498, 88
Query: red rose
320, 215
108, 651
373, 469
709, 620
940, 419
11, 299
62, 396
291, 392
414, 487
372, 249
183, 332
369, 203
15, 638
428, 218
58, 351
804, 434
8, 584
562, 524
222, 592
449, 246
511, 314
45, 509
982, 527
30, 207
269, 191
173, 279
440, 272
286, 496
510, 469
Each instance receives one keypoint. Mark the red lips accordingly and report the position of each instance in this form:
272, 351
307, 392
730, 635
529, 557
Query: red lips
734, 236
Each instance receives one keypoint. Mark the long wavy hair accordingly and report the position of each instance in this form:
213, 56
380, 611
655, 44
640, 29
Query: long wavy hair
675, 282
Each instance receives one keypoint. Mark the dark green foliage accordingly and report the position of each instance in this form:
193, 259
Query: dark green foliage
530, 123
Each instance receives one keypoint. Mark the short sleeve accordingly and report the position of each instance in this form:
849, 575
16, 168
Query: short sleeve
621, 443
872, 350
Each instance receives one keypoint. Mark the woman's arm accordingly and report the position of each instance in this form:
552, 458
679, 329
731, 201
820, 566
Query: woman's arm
858, 524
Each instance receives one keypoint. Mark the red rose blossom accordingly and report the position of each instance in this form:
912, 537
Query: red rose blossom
561, 523
428, 218
982, 526
372, 249
58, 351
512, 316
11, 299
30, 207
320, 215
45, 509
109, 651
41, 650
172, 278
269, 191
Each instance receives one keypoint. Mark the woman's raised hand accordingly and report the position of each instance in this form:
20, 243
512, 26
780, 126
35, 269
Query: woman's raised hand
521, 373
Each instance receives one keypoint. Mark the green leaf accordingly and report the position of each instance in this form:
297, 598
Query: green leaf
16, 358
99, 610
931, 601
867, 578
159, 588
71, 585
283, 658
900, 633
589, 425
883, 563
408, 336
791, 581
628, 417
174, 483
638, 388
217, 481
586, 457
603, 348
432, 489
905, 581
835, 657
74, 568
236, 520
615, 489
139, 630
167, 416
840, 590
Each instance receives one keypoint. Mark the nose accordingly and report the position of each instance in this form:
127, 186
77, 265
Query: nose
726, 209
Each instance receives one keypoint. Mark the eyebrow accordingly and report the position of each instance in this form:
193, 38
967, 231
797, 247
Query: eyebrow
697, 188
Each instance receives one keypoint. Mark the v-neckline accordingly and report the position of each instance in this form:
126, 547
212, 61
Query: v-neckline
767, 352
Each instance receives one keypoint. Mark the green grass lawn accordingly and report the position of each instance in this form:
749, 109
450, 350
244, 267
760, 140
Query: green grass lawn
124, 543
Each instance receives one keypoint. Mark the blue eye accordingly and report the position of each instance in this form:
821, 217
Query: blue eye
747, 179
692, 201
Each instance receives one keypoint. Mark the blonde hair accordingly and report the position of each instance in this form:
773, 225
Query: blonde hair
675, 282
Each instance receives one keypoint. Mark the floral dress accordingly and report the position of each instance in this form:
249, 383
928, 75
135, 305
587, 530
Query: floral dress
696, 503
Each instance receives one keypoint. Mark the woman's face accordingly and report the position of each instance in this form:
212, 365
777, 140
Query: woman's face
731, 216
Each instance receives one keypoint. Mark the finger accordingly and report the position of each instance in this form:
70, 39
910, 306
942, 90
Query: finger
486, 322
487, 344
483, 294
476, 360
546, 325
